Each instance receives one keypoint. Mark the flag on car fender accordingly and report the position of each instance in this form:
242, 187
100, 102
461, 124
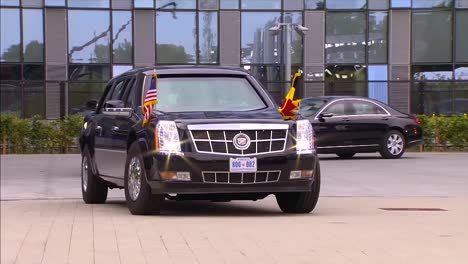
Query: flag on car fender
289, 107
151, 99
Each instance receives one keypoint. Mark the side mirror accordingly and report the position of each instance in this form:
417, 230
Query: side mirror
323, 115
116, 108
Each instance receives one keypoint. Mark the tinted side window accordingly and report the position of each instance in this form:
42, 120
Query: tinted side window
130, 97
337, 108
366, 108
118, 90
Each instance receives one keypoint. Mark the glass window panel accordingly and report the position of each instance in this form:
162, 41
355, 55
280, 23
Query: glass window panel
88, 3
261, 4
34, 101
229, 4
432, 3
10, 72
10, 48
258, 44
432, 72
314, 4
175, 48
461, 72
55, 2
33, 3
208, 4
345, 37
10, 97
432, 36
91, 72
33, 71
179, 4
346, 80
33, 35
144, 3
401, 3
461, 3
378, 4
208, 37
432, 97
265, 74
378, 85
88, 36
293, 4
119, 69
122, 39
346, 4
10, 2
79, 93
122, 4
378, 24
296, 42
461, 36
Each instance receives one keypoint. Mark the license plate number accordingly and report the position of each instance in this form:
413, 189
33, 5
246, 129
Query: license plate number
243, 165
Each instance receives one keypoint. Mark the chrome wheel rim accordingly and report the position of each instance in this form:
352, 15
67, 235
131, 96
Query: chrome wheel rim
395, 144
134, 178
84, 174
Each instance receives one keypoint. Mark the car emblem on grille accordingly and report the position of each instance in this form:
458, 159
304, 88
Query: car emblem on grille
241, 141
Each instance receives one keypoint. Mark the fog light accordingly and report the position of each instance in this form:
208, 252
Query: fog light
307, 173
295, 175
183, 176
168, 175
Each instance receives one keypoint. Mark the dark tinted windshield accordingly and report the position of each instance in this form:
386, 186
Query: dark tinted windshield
309, 107
194, 94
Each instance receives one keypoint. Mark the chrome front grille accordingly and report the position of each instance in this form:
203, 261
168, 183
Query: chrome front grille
226, 177
218, 139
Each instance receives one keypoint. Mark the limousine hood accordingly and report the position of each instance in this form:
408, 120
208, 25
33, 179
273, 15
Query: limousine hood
228, 117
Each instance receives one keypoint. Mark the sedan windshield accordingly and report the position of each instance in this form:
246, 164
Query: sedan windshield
197, 94
309, 107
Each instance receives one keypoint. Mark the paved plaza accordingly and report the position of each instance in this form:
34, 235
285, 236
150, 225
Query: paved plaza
43, 219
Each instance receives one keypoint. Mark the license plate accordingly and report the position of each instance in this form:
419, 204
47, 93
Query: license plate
243, 164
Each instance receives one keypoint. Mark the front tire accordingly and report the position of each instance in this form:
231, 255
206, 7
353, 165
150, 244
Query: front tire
140, 200
301, 202
393, 145
93, 189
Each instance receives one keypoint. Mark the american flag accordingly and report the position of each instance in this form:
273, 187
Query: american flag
151, 98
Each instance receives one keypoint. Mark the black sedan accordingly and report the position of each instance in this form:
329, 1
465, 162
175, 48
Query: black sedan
348, 125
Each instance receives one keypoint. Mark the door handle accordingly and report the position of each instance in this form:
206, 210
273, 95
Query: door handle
384, 118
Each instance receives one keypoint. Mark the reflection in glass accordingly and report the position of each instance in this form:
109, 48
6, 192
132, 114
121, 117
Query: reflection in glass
261, 4
314, 4
293, 5
432, 98
432, 3
143, 3
345, 37
10, 2
346, 4
346, 80
10, 41
91, 72
461, 36
88, 3
208, 37
259, 45
179, 4
431, 36
378, 4
174, 48
33, 71
229, 4
33, 35
461, 72
10, 71
296, 42
119, 69
55, 2
122, 38
88, 36
34, 100
10, 99
378, 85
378, 22
401, 3
81, 92
461, 3
432, 72
208, 4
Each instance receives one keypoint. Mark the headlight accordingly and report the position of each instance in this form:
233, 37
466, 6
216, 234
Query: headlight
167, 138
304, 137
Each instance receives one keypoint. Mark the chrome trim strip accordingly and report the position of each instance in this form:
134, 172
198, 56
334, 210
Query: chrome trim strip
350, 146
414, 141
111, 150
242, 126
242, 177
349, 99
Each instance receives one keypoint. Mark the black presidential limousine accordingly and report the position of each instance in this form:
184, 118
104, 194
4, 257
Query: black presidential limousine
215, 134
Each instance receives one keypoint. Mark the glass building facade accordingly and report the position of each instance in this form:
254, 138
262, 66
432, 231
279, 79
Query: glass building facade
56, 55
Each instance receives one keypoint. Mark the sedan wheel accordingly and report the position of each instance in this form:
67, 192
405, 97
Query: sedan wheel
393, 145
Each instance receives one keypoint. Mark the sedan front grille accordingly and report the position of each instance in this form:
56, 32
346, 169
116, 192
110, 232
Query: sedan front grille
226, 177
262, 141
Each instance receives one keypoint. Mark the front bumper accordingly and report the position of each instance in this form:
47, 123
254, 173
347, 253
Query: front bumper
198, 163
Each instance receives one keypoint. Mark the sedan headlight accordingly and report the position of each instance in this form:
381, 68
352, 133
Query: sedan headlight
167, 138
304, 137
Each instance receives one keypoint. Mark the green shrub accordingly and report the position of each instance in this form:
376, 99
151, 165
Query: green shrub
440, 132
